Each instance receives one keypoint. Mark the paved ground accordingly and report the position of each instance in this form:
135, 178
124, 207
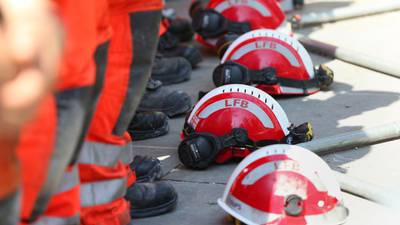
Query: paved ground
359, 98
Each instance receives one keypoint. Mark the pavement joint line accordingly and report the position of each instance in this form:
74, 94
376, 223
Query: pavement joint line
170, 171
195, 182
152, 147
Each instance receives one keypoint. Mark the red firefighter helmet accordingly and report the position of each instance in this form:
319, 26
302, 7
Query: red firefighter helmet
284, 185
218, 17
233, 120
276, 62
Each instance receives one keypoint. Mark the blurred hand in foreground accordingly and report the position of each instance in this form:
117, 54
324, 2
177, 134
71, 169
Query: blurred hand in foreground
30, 48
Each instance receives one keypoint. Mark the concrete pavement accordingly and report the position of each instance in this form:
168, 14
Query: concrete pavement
359, 98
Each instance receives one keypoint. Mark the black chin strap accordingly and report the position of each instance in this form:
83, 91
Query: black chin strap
234, 73
239, 137
323, 78
305, 85
227, 73
237, 27
264, 76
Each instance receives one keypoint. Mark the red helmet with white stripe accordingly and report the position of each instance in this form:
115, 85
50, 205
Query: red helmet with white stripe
277, 63
284, 185
233, 120
218, 17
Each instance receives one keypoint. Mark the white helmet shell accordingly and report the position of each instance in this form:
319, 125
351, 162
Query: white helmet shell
259, 186
234, 52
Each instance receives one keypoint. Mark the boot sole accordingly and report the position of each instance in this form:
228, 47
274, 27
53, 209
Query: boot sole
155, 211
194, 58
173, 78
180, 108
143, 135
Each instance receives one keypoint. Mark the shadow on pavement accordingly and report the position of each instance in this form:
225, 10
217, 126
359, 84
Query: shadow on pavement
326, 115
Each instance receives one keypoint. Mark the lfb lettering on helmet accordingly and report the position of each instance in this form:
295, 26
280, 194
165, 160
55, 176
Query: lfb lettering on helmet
243, 104
236, 103
282, 44
265, 45
276, 45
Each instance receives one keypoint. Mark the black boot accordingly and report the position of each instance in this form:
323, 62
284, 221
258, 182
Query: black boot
159, 98
171, 70
169, 46
151, 199
180, 27
147, 169
147, 125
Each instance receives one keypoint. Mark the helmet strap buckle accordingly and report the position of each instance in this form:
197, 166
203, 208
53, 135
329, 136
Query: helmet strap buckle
264, 76
238, 137
299, 134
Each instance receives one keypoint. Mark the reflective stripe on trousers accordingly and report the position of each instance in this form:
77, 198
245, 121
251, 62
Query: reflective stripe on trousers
102, 155
105, 154
70, 180
102, 192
